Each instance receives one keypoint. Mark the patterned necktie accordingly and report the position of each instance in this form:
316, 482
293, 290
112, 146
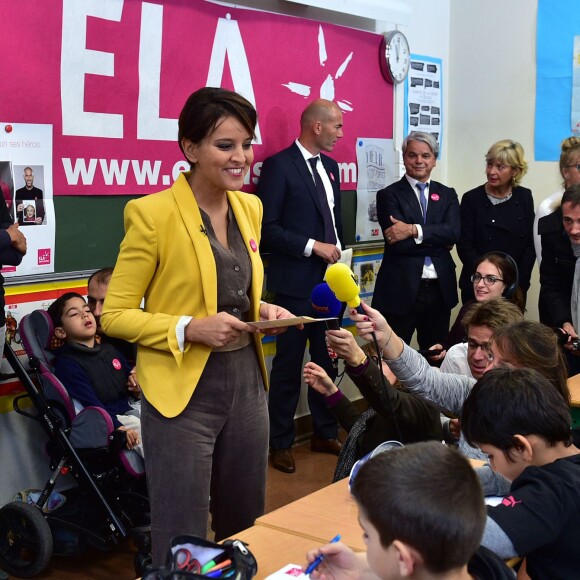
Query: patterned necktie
329, 233
423, 199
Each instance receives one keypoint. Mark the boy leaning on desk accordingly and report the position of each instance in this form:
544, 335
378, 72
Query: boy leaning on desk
421, 507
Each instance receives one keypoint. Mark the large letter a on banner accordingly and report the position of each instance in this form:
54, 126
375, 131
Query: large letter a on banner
228, 41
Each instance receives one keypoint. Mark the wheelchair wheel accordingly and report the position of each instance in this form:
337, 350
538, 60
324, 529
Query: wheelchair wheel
25, 540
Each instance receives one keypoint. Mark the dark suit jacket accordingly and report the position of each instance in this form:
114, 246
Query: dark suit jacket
507, 227
292, 216
400, 273
556, 271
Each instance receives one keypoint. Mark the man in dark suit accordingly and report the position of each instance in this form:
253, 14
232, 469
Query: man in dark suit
416, 287
558, 302
301, 229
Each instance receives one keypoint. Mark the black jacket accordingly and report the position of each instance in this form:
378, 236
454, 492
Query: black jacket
556, 271
507, 227
418, 420
400, 273
292, 216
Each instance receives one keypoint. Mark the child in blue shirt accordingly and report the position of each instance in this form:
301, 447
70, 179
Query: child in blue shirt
94, 374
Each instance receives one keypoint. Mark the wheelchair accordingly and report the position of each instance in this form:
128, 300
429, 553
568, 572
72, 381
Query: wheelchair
108, 499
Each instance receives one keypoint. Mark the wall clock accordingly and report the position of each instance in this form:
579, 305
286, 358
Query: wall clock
395, 57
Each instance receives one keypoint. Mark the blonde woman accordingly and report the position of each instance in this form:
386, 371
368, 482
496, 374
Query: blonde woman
498, 216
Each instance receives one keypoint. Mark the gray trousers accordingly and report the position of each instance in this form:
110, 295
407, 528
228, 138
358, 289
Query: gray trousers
217, 446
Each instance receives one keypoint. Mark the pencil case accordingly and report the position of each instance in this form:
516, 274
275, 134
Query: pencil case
191, 557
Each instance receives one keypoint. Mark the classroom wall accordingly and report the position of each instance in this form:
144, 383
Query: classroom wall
488, 53
492, 96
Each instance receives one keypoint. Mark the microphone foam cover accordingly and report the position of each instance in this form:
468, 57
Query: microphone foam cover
340, 279
324, 302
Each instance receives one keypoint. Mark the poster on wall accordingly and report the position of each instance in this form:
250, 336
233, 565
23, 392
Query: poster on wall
424, 97
26, 183
557, 25
115, 75
575, 120
365, 268
376, 170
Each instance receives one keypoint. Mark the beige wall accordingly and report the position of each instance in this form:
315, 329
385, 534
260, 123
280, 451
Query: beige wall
492, 96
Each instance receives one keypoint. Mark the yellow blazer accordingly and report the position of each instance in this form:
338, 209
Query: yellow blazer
166, 259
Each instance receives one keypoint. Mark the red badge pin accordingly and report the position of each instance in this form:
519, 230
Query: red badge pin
434, 197
117, 364
253, 245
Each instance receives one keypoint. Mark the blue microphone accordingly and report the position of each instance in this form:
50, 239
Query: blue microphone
324, 302
326, 305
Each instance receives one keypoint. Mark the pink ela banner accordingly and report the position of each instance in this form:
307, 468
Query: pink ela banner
111, 77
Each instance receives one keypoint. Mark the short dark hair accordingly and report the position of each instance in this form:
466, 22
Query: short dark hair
204, 109
507, 402
572, 195
427, 496
56, 309
530, 344
101, 276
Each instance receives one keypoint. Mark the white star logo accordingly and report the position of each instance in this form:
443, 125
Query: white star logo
327, 90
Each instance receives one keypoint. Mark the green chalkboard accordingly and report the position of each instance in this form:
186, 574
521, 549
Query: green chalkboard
89, 230
348, 212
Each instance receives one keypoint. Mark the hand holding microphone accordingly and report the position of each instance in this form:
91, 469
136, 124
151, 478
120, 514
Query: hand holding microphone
370, 324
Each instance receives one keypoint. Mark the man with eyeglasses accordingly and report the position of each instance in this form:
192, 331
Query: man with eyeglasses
559, 270
471, 358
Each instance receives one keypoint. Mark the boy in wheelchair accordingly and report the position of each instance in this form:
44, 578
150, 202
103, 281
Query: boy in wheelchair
94, 374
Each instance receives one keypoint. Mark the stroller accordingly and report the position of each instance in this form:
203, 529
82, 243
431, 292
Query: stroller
108, 500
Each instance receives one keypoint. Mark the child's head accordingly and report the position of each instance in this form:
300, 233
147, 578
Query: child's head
72, 318
505, 407
421, 506
30, 211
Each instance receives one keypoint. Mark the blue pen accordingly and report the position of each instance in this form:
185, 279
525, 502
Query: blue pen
318, 560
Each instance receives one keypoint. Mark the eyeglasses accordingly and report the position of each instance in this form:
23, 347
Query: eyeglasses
488, 280
472, 345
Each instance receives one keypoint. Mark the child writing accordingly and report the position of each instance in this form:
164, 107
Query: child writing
523, 424
94, 374
422, 514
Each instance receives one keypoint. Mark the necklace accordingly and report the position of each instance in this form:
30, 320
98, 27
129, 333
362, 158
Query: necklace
506, 194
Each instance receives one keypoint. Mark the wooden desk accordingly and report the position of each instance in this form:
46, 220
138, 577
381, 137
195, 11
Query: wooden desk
574, 386
273, 549
320, 516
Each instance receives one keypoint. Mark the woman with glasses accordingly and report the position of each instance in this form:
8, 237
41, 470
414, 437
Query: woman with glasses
570, 172
498, 216
495, 275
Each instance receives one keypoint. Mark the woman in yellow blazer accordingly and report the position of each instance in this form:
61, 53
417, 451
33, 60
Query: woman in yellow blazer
191, 252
